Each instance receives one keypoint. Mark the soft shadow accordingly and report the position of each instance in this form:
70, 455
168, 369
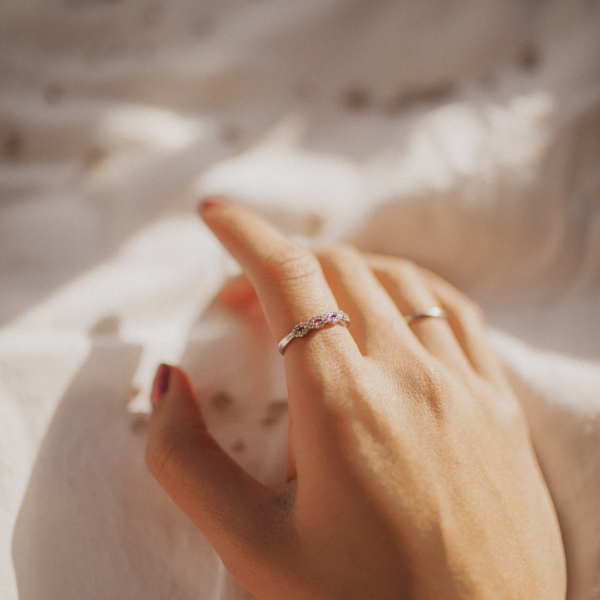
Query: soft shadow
92, 514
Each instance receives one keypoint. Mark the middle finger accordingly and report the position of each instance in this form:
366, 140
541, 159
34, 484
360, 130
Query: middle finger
378, 327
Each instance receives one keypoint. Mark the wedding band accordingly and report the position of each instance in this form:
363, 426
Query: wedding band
433, 312
317, 322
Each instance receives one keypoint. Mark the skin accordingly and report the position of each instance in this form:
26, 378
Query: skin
410, 473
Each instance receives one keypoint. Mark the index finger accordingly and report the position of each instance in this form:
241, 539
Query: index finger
288, 279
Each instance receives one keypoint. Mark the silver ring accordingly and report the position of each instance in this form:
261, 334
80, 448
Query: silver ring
433, 312
317, 322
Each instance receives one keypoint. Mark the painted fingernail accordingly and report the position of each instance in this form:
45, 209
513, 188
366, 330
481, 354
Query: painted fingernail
161, 383
212, 202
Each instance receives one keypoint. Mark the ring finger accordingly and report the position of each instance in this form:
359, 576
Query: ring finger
410, 290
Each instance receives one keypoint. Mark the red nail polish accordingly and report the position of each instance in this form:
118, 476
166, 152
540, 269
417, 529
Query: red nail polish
212, 203
161, 383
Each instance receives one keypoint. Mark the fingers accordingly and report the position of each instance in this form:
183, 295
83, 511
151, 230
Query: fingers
412, 292
288, 279
378, 326
374, 290
462, 336
468, 323
232, 509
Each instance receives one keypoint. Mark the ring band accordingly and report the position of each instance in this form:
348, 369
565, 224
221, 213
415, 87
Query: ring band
433, 312
317, 322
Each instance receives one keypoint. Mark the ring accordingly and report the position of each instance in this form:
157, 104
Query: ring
433, 312
317, 322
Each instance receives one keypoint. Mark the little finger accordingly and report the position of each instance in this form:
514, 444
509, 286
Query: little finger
469, 326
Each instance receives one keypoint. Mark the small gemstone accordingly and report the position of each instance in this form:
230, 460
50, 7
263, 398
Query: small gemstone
316, 322
300, 330
319, 321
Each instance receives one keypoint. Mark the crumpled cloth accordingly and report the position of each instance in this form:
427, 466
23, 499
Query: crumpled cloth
464, 136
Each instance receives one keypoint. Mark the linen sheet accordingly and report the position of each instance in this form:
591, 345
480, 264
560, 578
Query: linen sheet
462, 135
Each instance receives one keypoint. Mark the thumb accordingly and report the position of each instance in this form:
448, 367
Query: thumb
234, 511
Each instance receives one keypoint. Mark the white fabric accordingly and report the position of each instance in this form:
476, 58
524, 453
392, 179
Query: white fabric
463, 135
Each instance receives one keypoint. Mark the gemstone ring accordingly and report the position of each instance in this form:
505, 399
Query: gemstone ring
316, 322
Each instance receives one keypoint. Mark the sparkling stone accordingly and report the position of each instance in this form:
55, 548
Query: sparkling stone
316, 322
301, 330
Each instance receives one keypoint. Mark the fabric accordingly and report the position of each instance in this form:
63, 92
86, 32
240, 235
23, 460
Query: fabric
463, 135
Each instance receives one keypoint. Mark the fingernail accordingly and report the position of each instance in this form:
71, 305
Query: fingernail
212, 202
161, 383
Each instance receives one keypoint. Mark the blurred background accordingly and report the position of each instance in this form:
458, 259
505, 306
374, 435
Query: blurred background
462, 134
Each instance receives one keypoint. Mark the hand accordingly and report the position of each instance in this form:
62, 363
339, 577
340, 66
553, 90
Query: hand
410, 469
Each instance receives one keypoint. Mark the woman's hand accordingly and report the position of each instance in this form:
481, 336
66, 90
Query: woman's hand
410, 469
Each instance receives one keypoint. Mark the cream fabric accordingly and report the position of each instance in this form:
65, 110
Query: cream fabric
464, 135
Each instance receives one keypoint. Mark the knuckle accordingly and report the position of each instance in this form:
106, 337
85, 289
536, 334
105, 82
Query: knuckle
435, 382
296, 264
435, 389
426, 384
